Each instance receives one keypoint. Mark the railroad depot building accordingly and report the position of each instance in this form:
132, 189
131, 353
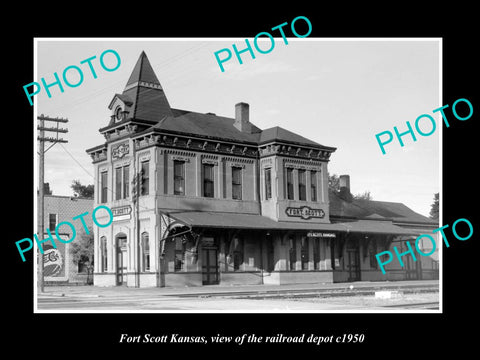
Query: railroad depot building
204, 199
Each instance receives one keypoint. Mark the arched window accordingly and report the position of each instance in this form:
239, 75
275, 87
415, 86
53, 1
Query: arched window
103, 253
145, 252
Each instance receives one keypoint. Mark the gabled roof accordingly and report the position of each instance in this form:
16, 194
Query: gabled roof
147, 102
206, 125
374, 210
280, 134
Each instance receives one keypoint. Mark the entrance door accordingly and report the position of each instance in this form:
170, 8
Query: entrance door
121, 260
413, 269
353, 264
209, 266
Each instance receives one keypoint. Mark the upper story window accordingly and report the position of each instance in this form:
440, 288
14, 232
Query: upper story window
179, 177
302, 186
122, 175
289, 183
237, 183
268, 183
145, 177
103, 187
52, 222
313, 185
208, 180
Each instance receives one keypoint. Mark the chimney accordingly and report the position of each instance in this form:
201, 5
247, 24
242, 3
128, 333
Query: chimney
242, 118
344, 183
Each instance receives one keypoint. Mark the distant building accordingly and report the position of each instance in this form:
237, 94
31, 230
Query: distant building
59, 267
220, 201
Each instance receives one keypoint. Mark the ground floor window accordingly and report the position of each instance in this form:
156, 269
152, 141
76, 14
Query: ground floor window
180, 248
237, 254
372, 248
316, 253
103, 253
270, 254
305, 254
332, 254
234, 254
83, 264
293, 253
145, 252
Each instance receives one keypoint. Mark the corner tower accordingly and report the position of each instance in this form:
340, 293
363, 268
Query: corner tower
143, 97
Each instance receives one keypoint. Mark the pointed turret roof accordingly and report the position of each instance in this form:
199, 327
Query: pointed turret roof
146, 92
143, 71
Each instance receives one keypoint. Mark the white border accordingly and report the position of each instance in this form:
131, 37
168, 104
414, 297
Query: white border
439, 311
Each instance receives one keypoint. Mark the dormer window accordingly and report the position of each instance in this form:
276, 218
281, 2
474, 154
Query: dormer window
118, 113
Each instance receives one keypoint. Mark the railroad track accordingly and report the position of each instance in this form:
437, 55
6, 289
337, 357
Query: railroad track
424, 305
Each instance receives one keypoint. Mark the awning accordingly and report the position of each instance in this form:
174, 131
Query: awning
222, 220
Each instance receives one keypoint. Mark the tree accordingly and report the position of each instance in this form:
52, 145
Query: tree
434, 207
364, 196
82, 248
46, 189
334, 183
334, 186
82, 190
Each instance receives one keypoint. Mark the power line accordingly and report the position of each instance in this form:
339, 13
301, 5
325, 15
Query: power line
77, 161
110, 87
93, 178
54, 140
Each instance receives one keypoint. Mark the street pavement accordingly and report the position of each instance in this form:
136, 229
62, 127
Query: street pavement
217, 298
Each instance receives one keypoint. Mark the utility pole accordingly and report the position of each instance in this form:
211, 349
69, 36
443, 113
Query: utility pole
41, 165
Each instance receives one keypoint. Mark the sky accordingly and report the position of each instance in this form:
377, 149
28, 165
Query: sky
337, 92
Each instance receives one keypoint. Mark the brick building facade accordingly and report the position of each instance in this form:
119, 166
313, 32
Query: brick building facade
59, 266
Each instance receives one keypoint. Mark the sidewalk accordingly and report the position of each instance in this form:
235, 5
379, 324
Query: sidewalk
352, 288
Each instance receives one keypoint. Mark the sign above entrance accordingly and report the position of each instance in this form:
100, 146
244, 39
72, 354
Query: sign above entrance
321, 234
304, 212
121, 212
